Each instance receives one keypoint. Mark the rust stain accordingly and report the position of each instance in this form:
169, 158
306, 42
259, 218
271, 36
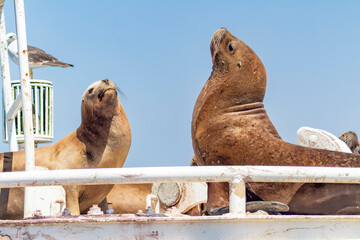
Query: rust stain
26, 74
131, 175
24, 52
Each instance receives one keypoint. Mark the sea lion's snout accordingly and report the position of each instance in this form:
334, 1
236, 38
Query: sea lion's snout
107, 89
101, 90
215, 41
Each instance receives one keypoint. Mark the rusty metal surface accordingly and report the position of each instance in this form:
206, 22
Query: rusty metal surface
210, 227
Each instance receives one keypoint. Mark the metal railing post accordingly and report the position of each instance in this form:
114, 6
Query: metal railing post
26, 97
5, 71
237, 196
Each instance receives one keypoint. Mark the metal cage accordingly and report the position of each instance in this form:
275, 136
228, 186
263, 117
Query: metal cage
43, 112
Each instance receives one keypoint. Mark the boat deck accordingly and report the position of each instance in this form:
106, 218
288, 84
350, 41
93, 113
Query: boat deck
228, 226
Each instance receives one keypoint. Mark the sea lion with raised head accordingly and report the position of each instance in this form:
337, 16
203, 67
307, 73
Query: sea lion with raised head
102, 141
230, 125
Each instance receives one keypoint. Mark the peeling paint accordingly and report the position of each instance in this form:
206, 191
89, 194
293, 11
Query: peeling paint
226, 227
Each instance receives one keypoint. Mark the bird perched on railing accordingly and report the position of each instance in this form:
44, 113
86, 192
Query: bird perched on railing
37, 57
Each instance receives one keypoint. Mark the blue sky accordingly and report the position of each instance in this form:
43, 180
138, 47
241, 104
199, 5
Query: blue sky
158, 53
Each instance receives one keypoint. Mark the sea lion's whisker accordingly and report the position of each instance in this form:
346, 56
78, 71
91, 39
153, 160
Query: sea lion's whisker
120, 91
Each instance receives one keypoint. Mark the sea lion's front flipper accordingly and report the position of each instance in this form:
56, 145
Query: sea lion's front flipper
72, 199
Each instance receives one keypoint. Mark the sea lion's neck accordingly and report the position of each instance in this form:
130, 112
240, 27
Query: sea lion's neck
234, 89
94, 129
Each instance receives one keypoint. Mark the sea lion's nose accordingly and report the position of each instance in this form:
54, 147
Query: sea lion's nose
106, 81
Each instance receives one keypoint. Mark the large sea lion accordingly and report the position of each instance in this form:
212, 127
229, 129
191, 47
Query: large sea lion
230, 125
102, 141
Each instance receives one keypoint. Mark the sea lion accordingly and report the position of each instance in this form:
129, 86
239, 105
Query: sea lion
102, 141
340, 199
352, 141
230, 125
129, 198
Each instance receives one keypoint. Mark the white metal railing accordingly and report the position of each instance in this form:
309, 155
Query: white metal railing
237, 176
42, 106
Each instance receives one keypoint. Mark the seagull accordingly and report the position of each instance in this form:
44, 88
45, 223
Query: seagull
37, 57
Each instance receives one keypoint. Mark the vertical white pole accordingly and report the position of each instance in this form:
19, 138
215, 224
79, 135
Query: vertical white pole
26, 98
5, 71
237, 196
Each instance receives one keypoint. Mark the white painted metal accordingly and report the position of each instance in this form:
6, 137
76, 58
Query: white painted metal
236, 175
5, 72
228, 226
25, 85
50, 200
180, 174
150, 198
26, 97
129, 227
14, 109
191, 194
42, 90
237, 196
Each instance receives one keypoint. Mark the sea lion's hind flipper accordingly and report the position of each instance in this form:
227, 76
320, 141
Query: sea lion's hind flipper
272, 208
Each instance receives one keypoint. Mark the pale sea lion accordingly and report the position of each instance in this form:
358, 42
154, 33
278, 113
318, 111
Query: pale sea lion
352, 141
102, 141
230, 125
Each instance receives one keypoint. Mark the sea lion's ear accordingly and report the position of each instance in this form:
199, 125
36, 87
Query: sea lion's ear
215, 42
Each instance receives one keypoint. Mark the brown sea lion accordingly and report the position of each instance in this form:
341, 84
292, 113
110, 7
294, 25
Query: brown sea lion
352, 141
317, 198
102, 141
230, 125
129, 198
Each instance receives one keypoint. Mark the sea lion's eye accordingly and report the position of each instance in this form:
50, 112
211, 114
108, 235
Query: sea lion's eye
230, 47
91, 90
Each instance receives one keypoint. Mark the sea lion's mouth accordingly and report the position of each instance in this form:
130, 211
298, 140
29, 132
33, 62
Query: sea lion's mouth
102, 93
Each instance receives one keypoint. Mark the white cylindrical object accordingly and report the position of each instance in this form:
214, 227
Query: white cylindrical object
5, 71
15, 107
236, 175
26, 97
237, 196
25, 85
180, 174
